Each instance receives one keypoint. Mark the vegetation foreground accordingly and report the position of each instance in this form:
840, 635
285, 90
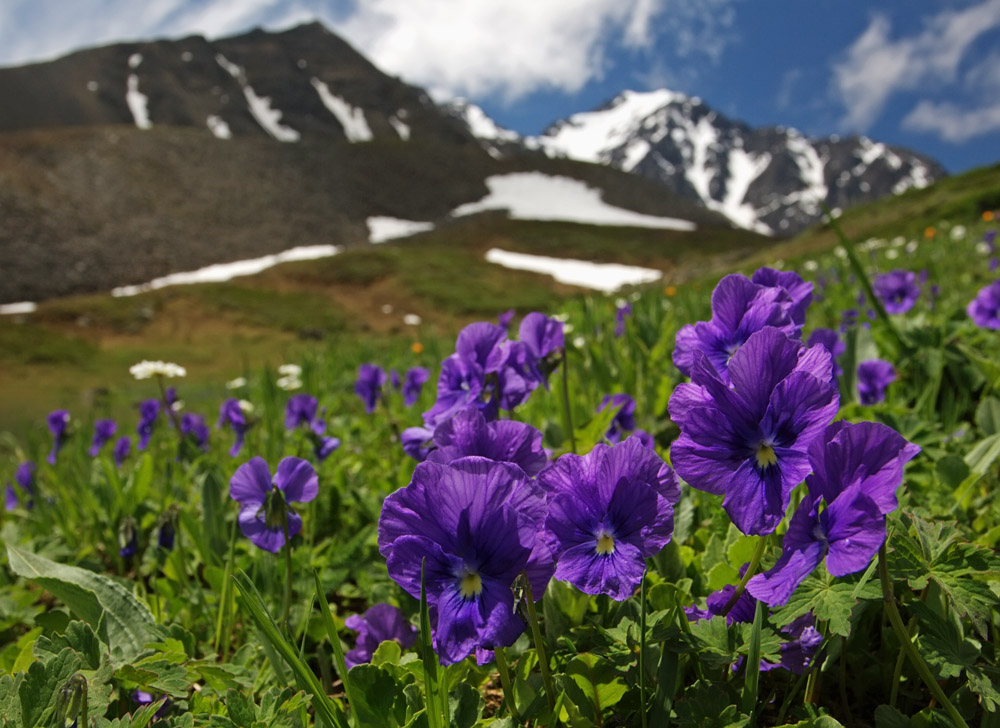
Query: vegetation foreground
774, 505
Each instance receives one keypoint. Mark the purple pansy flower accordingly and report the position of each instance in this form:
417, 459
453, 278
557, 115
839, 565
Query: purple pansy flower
123, 446
413, 383
265, 502
395, 379
194, 426
141, 698
874, 377
380, 623
417, 442
371, 379
898, 290
504, 319
798, 290
149, 410
300, 410
57, 421
509, 441
25, 478
748, 443
167, 534
477, 524
856, 471
10, 498
622, 312
740, 308
231, 415
608, 511
984, 309
829, 339
104, 430
624, 421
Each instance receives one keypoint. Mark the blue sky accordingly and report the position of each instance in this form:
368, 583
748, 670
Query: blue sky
924, 74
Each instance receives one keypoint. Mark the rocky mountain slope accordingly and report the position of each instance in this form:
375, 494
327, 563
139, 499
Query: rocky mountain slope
772, 180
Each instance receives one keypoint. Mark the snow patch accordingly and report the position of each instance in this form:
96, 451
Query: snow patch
401, 127
537, 196
350, 117
607, 277
480, 124
381, 229
13, 309
698, 172
219, 127
591, 135
260, 106
222, 272
134, 60
137, 103
744, 168
92, 86
812, 172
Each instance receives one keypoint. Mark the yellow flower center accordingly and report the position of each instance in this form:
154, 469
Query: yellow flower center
605, 543
766, 456
471, 586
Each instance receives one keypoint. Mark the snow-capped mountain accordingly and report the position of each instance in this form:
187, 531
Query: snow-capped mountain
773, 180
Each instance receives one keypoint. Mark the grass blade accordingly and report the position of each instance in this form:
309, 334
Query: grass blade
338, 649
429, 659
752, 676
326, 710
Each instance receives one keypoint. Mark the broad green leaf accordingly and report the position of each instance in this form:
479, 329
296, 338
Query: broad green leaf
378, 697
828, 598
465, 704
94, 598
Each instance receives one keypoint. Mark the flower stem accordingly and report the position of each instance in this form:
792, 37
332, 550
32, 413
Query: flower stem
170, 410
536, 633
287, 602
642, 649
758, 552
907, 644
508, 692
567, 411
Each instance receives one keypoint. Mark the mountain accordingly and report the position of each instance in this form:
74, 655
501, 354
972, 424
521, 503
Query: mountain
133, 161
773, 180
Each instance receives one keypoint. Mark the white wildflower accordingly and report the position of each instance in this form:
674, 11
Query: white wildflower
246, 406
236, 383
958, 232
911, 247
147, 369
811, 265
892, 254
841, 252
290, 370
579, 342
288, 383
412, 319
983, 248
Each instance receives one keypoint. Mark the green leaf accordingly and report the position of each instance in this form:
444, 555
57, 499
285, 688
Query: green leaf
78, 636
378, 697
94, 598
829, 599
465, 705
952, 470
242, 710
988, 416
709, 706
601, 685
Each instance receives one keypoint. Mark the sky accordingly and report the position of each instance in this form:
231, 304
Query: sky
922, 74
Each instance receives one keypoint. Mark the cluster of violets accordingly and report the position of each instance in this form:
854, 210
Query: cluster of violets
488, 510
371, 381
756, 420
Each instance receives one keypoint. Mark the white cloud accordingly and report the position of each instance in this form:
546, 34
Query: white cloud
875, 67
508, 48
952, 123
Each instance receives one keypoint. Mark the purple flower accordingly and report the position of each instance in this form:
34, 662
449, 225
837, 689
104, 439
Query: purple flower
10, 498
380, 623
123, 446
504, 319
624, 421
874, 377
898, 290
608, 511
300, 410
194, 426
57, 421
141, 698
25, 478
149, 410
740, 308
414, 382
264, 502
231, 415
128, 538
395, 380
856, 470
748, 443
828, 338
509, 441
478, 525
799, 291
994, 264
459, 385
104, 430
544, 339
984, 309
371, 379
622, 312
417, 442
167, 534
